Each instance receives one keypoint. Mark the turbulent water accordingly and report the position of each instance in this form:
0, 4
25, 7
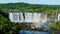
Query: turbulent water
36, 18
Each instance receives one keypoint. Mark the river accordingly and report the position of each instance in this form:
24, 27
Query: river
32, 32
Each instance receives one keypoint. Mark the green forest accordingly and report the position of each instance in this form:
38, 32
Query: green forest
25, 7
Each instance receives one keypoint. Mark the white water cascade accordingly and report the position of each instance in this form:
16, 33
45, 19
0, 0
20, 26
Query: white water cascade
36, 18
58, 16
28, 17
16, 17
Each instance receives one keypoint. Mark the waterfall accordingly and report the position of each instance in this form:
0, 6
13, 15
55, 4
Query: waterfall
16, 17
28, 17
36, 18
21, 17
11, 17
58, 16
42, 19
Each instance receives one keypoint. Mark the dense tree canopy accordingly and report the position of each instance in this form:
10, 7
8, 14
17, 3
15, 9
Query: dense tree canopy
29, 7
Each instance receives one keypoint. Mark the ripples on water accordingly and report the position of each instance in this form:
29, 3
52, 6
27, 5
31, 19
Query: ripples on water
32, 32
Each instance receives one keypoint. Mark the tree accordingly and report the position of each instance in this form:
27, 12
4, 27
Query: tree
55, 26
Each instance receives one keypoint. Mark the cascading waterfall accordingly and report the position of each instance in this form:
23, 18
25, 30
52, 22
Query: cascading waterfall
28, 17
21, 18
16, 17
58, 16
36, 18
42, 19
11, 17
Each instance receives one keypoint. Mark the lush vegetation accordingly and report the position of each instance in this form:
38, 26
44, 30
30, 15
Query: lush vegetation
25, 7
55, 26
7, 27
